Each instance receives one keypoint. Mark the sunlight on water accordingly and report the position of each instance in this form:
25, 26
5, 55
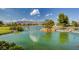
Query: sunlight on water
32, 36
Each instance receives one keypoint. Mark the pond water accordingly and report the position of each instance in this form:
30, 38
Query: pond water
32, 38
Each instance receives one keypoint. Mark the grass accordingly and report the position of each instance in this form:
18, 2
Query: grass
5, 30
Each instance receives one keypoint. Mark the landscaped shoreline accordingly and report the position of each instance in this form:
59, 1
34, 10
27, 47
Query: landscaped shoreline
59, 30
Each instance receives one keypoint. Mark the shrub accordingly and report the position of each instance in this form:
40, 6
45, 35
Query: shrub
16, 47
19, 28
9, 46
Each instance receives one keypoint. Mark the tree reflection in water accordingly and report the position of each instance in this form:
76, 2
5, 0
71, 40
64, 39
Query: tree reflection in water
47, 36
63, 37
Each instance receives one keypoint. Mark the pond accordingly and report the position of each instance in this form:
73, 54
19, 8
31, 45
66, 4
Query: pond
32, 38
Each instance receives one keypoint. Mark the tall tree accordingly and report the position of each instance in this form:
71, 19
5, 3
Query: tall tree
63, 19
48, 23
1, 23
74, 23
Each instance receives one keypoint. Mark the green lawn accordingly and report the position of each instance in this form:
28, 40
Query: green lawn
5, 30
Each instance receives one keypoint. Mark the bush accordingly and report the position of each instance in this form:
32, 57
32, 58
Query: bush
16, 47
9, 46
19, 28
13, 28
48, 23
12, 44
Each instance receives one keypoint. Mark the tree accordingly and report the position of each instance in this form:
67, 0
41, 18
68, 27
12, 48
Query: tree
48, 23
63, 19
74, 23
1, 23
19, 28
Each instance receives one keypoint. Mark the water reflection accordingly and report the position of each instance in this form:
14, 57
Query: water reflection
47, 36
33, 36
63, 37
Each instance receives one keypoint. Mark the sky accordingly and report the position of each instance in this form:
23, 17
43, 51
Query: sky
37, 14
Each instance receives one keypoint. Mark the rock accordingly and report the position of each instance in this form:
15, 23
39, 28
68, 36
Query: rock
47, 30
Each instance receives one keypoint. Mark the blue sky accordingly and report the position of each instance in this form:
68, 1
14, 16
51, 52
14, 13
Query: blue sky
14, 14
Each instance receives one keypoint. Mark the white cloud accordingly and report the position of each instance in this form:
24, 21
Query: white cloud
35, 12
24, 19
50, 14
16, 20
